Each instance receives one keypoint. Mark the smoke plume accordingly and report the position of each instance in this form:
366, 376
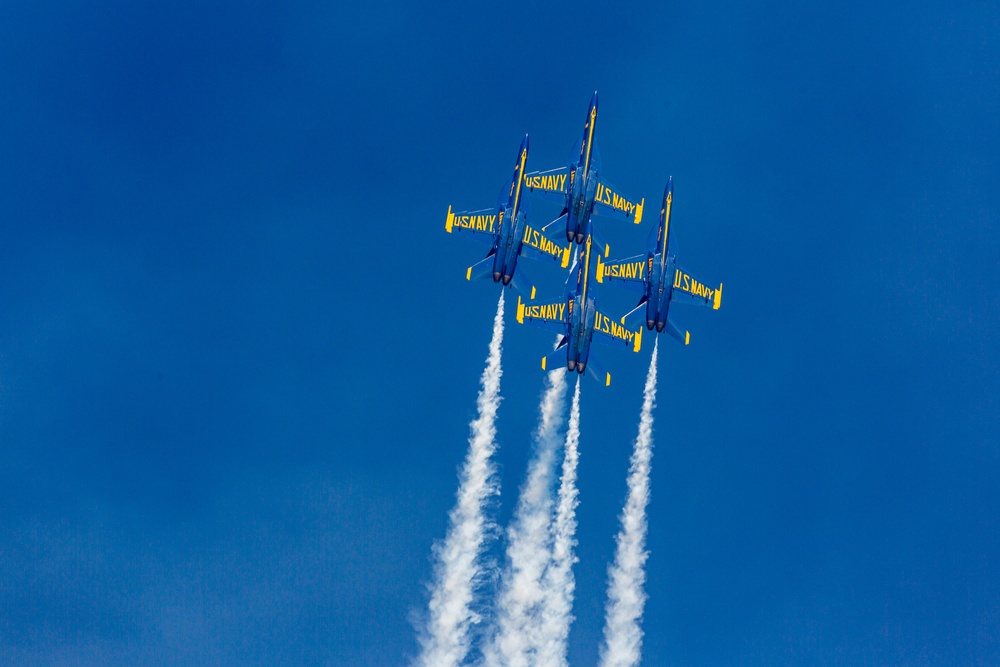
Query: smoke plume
445, 641
626, 577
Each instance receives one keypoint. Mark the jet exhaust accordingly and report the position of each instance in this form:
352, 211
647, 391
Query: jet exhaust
515, 641
626, 576
458, 569
559, 584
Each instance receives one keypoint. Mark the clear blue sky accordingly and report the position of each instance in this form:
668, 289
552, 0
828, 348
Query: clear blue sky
238, 358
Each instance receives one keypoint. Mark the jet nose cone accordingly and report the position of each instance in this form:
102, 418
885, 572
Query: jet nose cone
593, 100
524, 142
670, 185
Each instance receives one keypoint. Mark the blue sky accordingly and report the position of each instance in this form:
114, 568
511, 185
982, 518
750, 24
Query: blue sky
238, 358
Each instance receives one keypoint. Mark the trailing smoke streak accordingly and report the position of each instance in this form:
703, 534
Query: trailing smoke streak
528, 547
626, 577
445, 642
559, 585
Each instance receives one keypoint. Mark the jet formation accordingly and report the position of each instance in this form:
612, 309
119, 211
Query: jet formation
583, 194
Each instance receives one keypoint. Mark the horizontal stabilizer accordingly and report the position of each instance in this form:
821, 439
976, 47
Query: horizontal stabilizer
683, 336
555, 359
561, 218
597, 371
522, 283
627, 317
481, 269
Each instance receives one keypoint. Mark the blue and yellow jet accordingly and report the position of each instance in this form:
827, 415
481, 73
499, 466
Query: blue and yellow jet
579, 188
659, 278
506, 229
576, 317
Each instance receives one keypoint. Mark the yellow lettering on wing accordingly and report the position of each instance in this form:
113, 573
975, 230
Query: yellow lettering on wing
605, 324
539, 241
626, 270
546, 311
554, 182
688, 284
478, 223
612, 199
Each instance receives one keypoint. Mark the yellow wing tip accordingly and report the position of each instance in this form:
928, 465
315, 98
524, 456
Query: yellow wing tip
638, 211
543, 364
718, 298
638, 339
468, 273
687, 337
607, 382
607, 250
532, 291
520, 311
565, 258
449, 221
600, 270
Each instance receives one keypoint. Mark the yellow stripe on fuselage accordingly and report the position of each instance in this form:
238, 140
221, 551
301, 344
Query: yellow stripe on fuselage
520, 181
666, 232
590, 141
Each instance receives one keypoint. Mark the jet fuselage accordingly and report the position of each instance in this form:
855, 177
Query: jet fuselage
583, 178
661, 266
512, 216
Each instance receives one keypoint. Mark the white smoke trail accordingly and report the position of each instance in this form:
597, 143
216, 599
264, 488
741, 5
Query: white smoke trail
445, 642
626, 597
528, 547
557, 608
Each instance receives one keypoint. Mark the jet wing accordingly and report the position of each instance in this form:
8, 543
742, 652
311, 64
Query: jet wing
549, 315
552, 184
539, 246
612, 203
631, 272
610, 331
690, 290
483, 223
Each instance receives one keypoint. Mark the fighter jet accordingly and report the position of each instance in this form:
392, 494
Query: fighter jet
579, 187
659, 278
506, 230
576, 317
